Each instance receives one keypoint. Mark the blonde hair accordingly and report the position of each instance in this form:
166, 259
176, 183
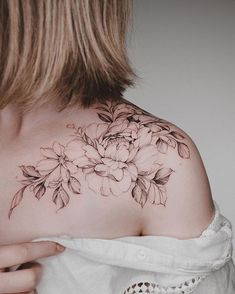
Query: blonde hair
63, 51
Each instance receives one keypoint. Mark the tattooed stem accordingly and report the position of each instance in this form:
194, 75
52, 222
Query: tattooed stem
16, 200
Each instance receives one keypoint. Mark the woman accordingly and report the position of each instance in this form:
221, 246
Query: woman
124, 191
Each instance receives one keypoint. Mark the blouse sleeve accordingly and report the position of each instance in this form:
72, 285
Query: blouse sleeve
217, 282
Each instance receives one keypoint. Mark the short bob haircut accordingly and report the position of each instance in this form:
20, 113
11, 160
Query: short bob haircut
65, 51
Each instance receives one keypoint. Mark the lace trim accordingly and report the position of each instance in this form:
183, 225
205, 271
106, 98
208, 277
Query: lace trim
153, 288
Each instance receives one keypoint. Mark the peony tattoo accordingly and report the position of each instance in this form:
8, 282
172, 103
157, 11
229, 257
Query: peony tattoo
119, 154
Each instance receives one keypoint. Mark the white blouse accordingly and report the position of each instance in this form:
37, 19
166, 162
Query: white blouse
143, 264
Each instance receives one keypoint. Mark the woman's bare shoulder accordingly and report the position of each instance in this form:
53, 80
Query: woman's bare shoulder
164, 170
115, 164
172, 185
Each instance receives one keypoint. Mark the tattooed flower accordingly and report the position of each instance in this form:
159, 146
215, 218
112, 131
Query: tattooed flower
56, 165
143, 154
121, 129
107, 168
130, 131
151, 176
117, 155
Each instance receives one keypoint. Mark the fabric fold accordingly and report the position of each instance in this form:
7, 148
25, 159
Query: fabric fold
208, 252
167, 259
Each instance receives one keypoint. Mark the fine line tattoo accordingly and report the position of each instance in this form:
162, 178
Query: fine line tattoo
119, 154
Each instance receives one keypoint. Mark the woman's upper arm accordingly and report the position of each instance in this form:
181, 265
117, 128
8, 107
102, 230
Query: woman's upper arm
183, 184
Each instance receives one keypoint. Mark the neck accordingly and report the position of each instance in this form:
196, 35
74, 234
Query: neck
14, 125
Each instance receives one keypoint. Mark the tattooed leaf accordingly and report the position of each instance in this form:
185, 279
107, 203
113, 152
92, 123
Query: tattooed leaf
48, 153
39, 190
88, 140
74, 185
157, 194
60, 197
162, 194
162, 176
141, 183
177, 135
162, 146
139, 195
30, 171
183, 150
171, 142
16, 200
102, 108
53, 184
105, 117
153, 194
163, 125
122, 114
27, 182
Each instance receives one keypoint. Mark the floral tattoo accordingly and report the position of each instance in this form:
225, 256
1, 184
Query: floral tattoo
115, 156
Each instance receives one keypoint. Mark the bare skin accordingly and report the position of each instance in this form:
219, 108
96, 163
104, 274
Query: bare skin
104, 172
110, 155
83, 172
27, 276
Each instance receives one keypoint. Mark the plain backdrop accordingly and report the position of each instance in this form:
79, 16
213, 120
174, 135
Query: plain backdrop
184, 51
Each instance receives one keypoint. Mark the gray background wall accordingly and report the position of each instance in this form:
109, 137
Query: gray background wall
184, 50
